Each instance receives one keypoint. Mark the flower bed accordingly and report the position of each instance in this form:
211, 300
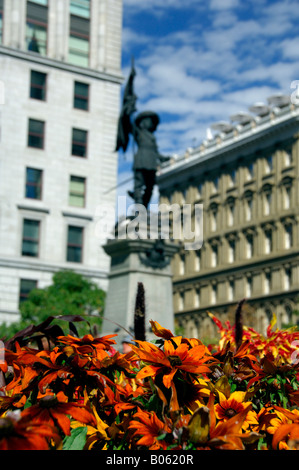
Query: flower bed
63, 392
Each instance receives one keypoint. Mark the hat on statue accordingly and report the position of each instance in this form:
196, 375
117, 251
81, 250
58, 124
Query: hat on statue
147, 114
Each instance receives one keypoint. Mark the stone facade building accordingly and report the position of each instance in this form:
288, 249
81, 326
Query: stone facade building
246, 176
60, 83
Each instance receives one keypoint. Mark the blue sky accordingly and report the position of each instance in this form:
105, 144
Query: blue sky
201, 61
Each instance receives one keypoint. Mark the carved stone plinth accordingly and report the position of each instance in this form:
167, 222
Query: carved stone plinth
132, 261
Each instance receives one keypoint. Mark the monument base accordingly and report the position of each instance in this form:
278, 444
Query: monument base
134, 261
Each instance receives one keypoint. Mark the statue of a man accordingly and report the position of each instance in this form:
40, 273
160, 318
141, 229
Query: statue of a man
147, 158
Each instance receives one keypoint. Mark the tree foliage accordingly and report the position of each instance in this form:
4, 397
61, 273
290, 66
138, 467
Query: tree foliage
69, 294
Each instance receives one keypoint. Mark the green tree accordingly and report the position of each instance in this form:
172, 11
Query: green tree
69, 294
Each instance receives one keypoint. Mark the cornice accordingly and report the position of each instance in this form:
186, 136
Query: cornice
57, 64
39, 265
209, 156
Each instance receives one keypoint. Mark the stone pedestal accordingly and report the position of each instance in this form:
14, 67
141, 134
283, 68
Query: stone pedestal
134, 261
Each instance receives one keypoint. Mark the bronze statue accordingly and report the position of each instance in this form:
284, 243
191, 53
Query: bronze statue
147, 158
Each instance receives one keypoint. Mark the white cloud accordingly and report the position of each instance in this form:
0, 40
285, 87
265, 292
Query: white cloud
157, 5
223, 4
290, 48
131, 37
228, 55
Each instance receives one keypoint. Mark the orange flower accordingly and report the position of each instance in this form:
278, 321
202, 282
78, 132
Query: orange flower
17, 400
149, 427
228, 435
159, 331
176, 357
50, 409
289, 432
171, 359
285, 427
24, 435
86, 345
233, 405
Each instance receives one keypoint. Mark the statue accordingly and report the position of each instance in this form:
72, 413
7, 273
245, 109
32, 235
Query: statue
147, 158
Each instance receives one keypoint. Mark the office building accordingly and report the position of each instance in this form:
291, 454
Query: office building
60, 80
246, 176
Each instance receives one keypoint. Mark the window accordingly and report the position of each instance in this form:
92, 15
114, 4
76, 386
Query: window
197, 261
181, 301
38, 85
77, 191
200, 190
231, 290
30, 243
248, 287
214, 219
287, 191
250, 171
197, 298
268, 241
79, 32
184, 194
249, 246
33, 183
267, 282
80, 8
79, 143
81, 96
182, 265
230, 213
231, 251
37, 26
75, 244
288, 157
269, 164
214, 256
213, 294
36, 133
26, 286
233, 177
215, 184
287, 278
248, 208
267, 202
288, 234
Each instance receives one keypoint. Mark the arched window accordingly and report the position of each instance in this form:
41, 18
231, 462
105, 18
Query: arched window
267, 199
213, 217
248, 205
230, 210
286, 193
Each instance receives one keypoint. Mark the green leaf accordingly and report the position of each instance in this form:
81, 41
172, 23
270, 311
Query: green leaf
77, 439
161, 437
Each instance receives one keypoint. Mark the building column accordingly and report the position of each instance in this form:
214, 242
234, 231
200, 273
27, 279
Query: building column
58, 29
98, 31
14, 30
